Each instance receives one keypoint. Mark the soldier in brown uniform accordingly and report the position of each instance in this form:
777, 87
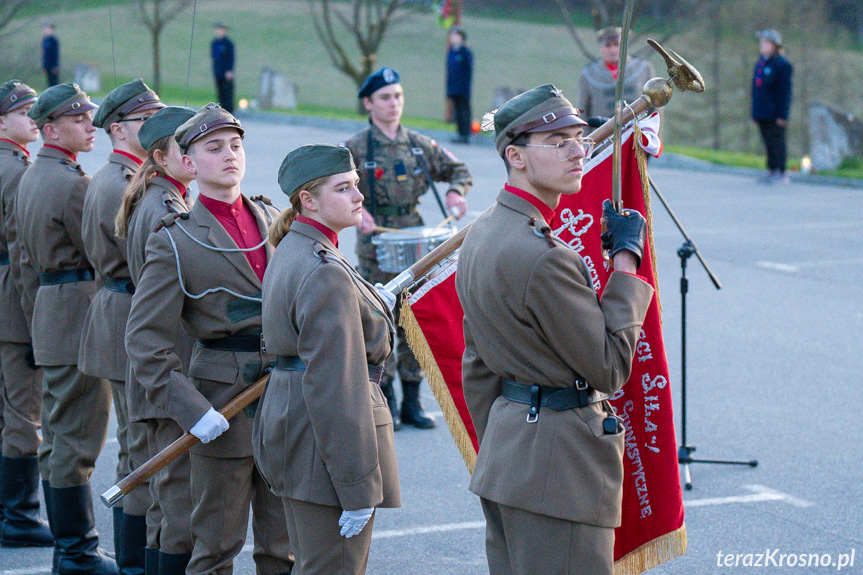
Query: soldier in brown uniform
323, 435
159, 189
205, 269
20, 379
399, 165
103, 352
541, 351
75, 407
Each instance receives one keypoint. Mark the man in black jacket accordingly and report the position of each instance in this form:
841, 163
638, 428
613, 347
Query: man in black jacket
771, 100
222, 52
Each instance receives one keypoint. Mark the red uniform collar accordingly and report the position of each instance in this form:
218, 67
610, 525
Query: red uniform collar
220, 208
180, 187
330, 234
23, 149
547, 212
128, 155
64, 150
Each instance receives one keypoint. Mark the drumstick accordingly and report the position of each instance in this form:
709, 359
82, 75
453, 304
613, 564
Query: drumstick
443, 223
405, 232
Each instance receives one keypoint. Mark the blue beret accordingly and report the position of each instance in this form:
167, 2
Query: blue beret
380, 79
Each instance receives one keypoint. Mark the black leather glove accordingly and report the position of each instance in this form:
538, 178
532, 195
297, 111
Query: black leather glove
30, 358
596, 121
623, 232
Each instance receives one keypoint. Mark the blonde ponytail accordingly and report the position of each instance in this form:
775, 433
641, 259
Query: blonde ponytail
279, 228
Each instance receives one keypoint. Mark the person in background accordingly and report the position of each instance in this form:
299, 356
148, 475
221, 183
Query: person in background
459, 74
222, 53
771, 101
50, 54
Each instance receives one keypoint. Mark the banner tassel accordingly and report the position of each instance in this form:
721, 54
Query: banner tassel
641, 159
653, 553
418, 344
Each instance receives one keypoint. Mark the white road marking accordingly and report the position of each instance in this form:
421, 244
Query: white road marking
760, 493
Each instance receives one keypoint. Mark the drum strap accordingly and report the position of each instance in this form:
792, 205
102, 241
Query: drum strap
370, 167
421, 162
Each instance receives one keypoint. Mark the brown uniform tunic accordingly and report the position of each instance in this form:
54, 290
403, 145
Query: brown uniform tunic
75, 407
20, 383
596, 86
171, 506
531, 316
399, 182
182, 264
324, 435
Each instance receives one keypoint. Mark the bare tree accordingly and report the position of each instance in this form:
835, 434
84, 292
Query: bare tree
366, 23
155, 15
8, 10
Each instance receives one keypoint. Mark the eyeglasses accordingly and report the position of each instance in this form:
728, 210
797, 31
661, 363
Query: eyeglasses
569, 147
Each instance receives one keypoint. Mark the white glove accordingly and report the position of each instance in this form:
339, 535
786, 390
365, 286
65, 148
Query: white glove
386, 295
352, 522
209, 427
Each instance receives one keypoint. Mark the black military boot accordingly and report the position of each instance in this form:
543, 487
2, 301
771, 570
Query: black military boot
130, 553
173, 563
390, 395
151, 560
22, 526
412, 408
47, 492
74, 527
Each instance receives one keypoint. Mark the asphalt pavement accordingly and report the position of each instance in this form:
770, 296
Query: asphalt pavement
773, 373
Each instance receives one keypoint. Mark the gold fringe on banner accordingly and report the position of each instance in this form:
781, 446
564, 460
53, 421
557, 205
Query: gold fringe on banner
653, 553
641, 157
422, 351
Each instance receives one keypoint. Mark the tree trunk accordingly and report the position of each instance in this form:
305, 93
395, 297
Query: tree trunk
157, 59
716, 92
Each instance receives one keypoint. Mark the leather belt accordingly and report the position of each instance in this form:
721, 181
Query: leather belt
239, 342
555, 398
294, 363
119, 285
4, 259
394, 210
66, 276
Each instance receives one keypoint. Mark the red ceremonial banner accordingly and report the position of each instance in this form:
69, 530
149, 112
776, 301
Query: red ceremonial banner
652, 529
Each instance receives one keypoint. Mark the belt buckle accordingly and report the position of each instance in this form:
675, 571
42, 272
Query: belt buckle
533, 414
263, 345
581, 384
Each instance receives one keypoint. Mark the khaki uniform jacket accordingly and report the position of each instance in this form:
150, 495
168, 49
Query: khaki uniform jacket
14, 325
103, 351
325, 435
49, 211
392, 193
532, 316
160, 302
596, 86
154, 205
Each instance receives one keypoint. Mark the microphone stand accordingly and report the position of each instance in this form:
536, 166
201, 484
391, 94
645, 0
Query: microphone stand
687, 250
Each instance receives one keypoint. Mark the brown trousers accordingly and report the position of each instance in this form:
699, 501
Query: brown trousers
518, 542
75, 413
222, 491
319, 549
21, 401
170, 511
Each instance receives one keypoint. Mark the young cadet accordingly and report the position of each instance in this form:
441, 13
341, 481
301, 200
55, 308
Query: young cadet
549, 470
158, 189
75, 407
103, 352
20, 379
324, 436
205, 269
399, 164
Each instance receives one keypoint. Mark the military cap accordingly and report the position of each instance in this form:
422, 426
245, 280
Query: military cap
208, 119
163, 123
771, 36
380, 79
312, 161
609, 32
123, 100
541, 109
60, 100
14, 94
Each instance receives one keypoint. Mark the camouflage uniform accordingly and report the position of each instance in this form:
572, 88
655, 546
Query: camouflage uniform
399, 182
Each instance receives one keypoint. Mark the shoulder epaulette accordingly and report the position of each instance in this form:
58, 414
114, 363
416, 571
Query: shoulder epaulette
263, 199
169, 220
